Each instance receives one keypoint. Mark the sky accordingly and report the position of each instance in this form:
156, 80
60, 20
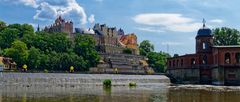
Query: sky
170, 25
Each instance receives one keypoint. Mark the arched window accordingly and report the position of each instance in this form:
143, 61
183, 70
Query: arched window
205, 45
193, 62
227, 58
237, 56
177, 62
204, 61
173, 63
169, 63
181, 62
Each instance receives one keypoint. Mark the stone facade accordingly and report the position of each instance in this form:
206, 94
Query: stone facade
210, 64
60, 25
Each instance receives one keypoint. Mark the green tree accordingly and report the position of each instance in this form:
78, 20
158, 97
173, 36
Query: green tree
34, 58
23, 29
2, 25
18, 51
7, 36
127, 51
226, 36
85, 47
157, 60
145, 47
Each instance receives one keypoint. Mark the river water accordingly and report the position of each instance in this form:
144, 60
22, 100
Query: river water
153, 91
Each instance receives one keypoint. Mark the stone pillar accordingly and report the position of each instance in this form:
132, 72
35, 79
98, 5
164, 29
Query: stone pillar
218, 76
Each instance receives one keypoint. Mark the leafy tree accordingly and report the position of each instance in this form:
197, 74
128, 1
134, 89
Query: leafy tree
226, 36
18, 51
2, 25
85, 47
157, 60
7, 36
145, 47
34, 58
23, 29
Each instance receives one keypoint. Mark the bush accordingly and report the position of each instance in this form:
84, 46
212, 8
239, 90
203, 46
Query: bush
132, 84
127, 51
107, 83
45, 71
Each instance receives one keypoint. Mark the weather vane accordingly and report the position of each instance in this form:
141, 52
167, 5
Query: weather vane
204, 22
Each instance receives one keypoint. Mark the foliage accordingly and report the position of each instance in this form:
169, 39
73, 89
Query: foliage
157, 60
226, 36
85, 47
145, 47
18, 51
107, 83
132, 84
7, 37
46, 51
34, 58
127, 51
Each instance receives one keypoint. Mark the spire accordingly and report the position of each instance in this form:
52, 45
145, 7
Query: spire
38, 28
204, 23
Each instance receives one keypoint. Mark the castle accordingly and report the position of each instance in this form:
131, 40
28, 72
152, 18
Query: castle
110, 43
219, 65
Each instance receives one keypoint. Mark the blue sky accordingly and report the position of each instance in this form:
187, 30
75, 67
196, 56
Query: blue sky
163, 22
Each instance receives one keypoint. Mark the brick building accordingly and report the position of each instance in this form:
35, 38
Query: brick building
210, 64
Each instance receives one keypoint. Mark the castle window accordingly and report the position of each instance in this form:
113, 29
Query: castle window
227, 58
204, 61
177, 62
193, 62
169, 63
173, 63
205, 46
237, 56
181, 62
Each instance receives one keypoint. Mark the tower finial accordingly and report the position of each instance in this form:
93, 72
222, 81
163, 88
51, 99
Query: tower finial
38, 28
204, 22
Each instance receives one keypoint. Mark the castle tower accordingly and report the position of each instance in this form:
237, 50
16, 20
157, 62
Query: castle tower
204, 39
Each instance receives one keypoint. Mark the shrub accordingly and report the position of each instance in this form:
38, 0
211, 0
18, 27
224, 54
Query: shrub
45, 71
107, 83
127, 51
132, 84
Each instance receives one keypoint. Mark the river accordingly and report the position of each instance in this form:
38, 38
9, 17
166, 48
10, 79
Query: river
20, 88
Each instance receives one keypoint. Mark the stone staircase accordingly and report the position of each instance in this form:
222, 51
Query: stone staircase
120, 63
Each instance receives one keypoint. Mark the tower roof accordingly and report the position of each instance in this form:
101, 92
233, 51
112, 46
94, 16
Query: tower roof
204, 31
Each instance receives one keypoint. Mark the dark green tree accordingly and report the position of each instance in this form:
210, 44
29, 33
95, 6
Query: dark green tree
34, 58
146, 47
127, 51
226, 36
7, 36
85, 47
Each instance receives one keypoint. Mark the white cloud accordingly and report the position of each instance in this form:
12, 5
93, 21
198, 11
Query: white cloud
168, 21
216, 21
49, 9
91, 18
150, 29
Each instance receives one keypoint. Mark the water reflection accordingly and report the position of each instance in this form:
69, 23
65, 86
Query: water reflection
113, 94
